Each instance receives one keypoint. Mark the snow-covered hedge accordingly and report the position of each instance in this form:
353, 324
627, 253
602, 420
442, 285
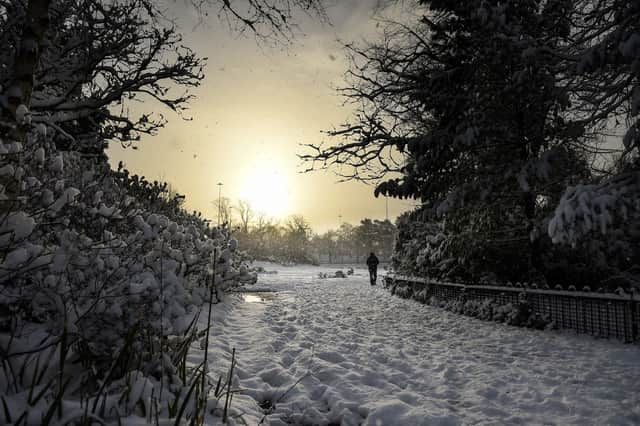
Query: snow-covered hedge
489, 309
592, 242
93, 262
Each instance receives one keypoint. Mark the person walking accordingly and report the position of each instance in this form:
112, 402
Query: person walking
372, 263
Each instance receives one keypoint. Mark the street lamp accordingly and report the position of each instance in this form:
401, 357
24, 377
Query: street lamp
341, 249
386, 208
219, 201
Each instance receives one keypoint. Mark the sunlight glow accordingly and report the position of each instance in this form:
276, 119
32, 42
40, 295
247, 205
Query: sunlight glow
267, 191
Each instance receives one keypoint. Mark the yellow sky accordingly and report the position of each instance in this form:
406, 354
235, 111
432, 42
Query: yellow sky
252, 112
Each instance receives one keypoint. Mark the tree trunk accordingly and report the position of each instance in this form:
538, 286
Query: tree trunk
19, 92
531, 151
28, 54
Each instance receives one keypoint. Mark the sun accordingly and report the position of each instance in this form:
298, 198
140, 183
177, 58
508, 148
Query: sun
267, 191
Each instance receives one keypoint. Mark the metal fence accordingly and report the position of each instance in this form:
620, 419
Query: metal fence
601, 315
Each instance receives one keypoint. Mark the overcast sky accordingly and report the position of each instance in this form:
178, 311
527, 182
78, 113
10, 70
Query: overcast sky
252, 112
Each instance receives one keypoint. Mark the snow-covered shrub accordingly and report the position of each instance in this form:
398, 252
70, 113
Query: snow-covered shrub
431, 246
96, 263
486, 308
422, 295
602, 219
421, 246
83, 250
596, 208
425, 248
482, 309
403, 290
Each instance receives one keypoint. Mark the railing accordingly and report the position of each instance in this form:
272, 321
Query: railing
601, 315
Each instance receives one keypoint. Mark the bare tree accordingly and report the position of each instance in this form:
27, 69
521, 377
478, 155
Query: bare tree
223, 210
102, 57
267, 20
245, 213
99, 58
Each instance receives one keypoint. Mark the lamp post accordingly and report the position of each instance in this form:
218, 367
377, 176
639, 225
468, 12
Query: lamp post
386, 208
340, 249
219, 201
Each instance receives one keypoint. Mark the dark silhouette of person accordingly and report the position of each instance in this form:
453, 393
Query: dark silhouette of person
372, 263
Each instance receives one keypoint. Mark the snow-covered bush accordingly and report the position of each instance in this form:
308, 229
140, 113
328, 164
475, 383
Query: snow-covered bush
488, 309
402, 290
602, 219
421, 246
596, 208
94, 262
426, 247
437, 248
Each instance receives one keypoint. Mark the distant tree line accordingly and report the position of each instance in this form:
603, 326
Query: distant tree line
501, 116
292, 240
353, 243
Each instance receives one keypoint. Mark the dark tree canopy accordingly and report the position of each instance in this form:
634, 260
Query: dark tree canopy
486, 111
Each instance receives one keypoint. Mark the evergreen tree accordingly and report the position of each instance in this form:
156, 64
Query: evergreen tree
471, 98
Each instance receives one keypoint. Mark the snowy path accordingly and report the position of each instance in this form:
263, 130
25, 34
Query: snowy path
363, 357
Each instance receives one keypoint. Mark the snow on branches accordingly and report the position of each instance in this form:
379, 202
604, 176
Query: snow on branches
99, 58
95, 262
81, 239
585, 209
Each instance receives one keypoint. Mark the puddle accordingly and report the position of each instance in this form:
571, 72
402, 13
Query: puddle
258, 297
250, 298
268, 297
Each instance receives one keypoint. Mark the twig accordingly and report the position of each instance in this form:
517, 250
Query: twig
206, 344
281, 397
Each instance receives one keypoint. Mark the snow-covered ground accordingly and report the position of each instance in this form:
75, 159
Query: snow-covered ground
338, 351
